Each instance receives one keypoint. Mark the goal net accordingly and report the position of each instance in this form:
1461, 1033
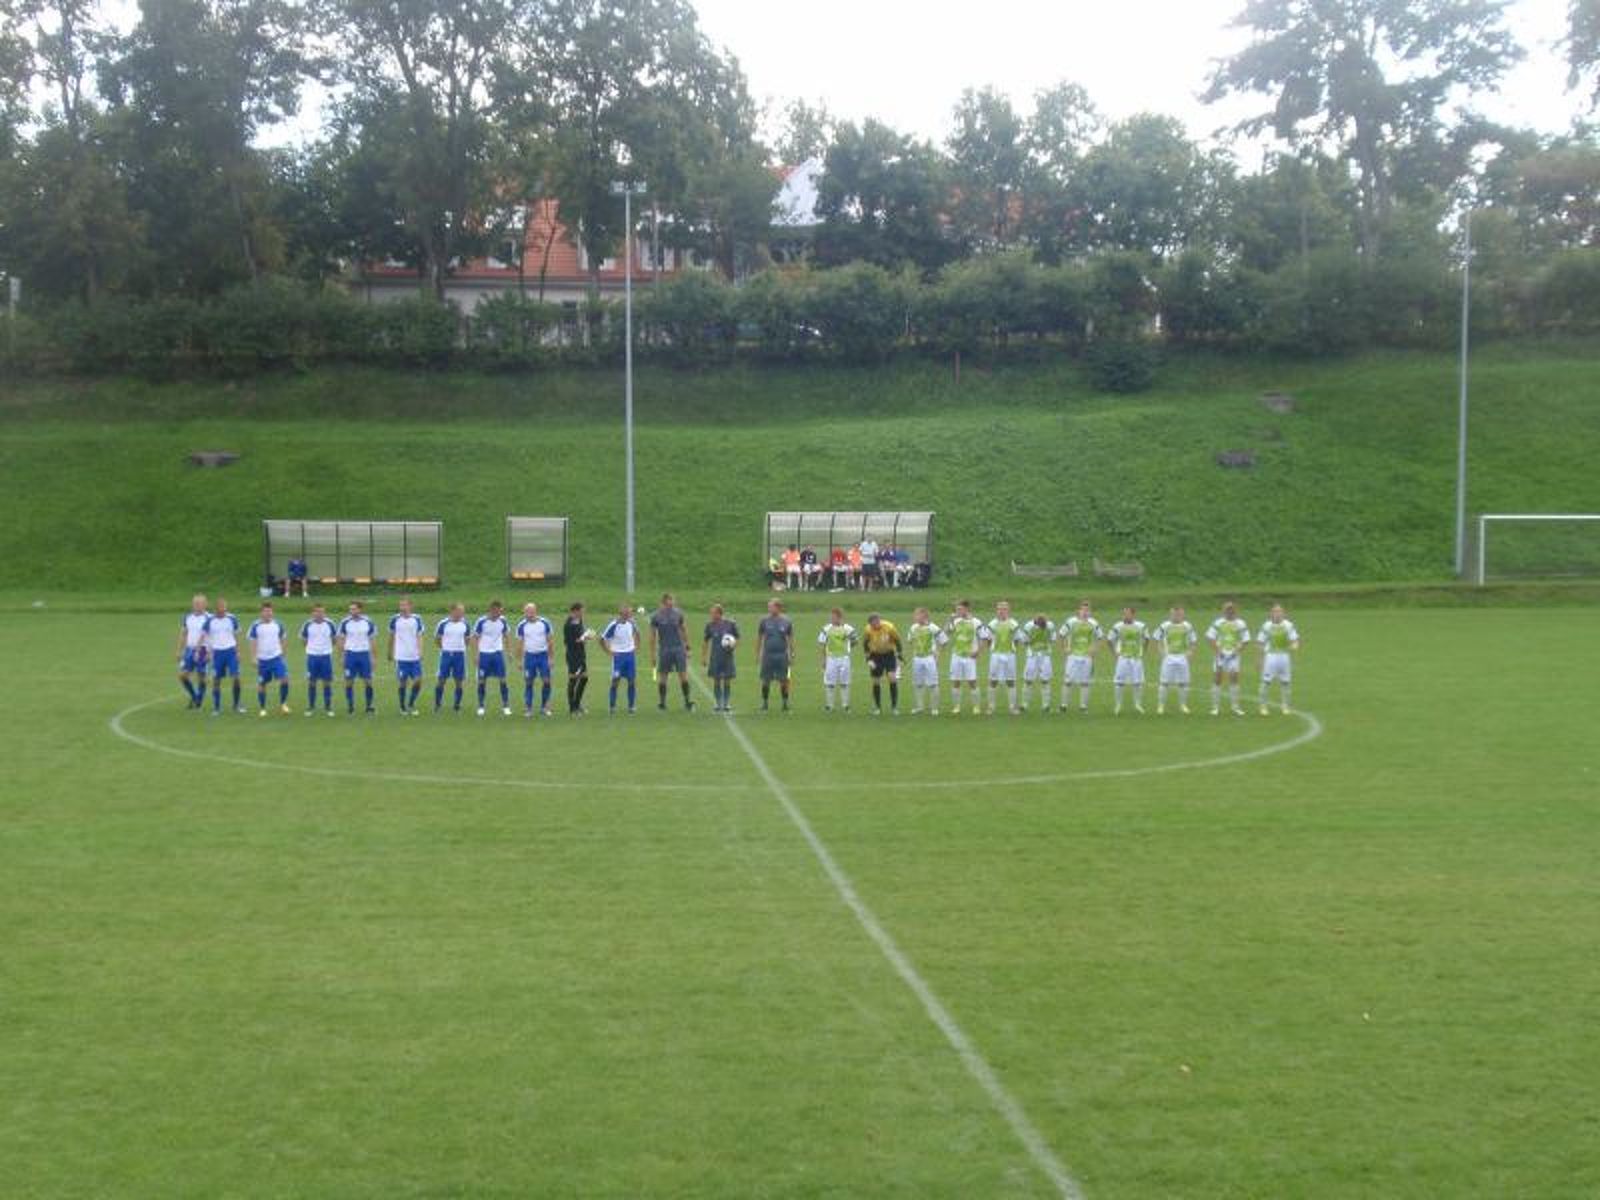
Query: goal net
1537, 545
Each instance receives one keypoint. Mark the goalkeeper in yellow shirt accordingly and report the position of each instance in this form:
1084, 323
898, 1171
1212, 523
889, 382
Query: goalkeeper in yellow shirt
881, 644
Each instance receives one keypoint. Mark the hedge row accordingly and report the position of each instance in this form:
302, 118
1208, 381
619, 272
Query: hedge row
1113, 309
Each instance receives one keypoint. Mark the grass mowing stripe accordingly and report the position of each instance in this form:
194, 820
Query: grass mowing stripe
977, 1066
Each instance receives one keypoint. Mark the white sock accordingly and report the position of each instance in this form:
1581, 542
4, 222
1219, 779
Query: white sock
1011, 695
1216, 695
1283, 694
1183, 695
1161, 695
1233, 694
827, 689
1116, 689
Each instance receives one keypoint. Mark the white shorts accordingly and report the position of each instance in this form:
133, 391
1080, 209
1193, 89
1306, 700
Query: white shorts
963, 668
1275, 667
1129, 670
1174, 669
1226, 664
1038, 667
925, 672
836, 672
1002, 667
1080, 668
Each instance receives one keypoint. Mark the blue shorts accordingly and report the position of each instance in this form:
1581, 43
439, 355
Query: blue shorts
492, 665
225, 662
536, 666
623, 666
319, 668
452, 664
404, 669
194, 660
269, 669
358, 664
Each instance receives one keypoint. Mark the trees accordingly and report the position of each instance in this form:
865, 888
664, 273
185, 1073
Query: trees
883, 198
990, 168
1367, 77
190, 87
421, 106
1148, 187
1583, 46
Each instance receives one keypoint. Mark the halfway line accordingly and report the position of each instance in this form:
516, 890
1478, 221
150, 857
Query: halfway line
977, 1066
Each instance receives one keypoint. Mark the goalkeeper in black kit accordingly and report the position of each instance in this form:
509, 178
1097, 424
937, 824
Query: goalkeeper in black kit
576, 636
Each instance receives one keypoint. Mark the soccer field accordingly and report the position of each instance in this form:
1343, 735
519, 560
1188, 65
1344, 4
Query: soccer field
1349, 953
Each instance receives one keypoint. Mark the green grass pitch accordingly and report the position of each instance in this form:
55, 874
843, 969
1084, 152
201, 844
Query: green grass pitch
596, 958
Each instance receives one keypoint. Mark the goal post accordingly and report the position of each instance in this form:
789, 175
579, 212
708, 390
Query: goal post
1540, 544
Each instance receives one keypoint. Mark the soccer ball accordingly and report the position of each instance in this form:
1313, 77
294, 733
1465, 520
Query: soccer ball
729, 641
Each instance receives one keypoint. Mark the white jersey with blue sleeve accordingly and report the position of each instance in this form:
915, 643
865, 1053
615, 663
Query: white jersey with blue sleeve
621, 637
491, 634
222, 632
357, 634
406, 633
194, 629
535, 635
452, 635
318, 637
267, 637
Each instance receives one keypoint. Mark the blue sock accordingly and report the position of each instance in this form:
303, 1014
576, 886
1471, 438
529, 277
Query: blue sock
482, 688
311, 695
200, 692
327, 696
461, 690
189, 689
633, 695
236, 693
527, 693
216, 697
283, 693
350, 696
544, 701
416, 690
261, 696
613, 695
505, 694
402, 697
367, 692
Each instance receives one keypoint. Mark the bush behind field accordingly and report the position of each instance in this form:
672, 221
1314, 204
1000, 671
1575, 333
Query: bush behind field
1105, 307
1020, 463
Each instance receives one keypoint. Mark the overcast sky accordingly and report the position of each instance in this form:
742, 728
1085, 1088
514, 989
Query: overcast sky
906, 62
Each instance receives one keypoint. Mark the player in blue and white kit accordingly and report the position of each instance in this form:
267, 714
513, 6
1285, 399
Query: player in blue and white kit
266, 645
192, 651
621, 642
318, 634
450, 635
490, 633
535, 633
222, 644
355, 641
405, 651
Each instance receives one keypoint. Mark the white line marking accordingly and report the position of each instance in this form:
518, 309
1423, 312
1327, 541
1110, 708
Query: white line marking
977, 1066
1312, 731
539, 785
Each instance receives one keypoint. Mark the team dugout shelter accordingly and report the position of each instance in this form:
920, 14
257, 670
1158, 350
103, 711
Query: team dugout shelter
907, 536
363, 553
536, 549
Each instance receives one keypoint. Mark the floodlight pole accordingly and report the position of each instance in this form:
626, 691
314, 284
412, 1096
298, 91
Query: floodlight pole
1461, 418
627, 191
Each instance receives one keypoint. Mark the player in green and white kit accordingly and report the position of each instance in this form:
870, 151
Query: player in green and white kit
924, 639
1279, 640
1127, 638
964, 633
836, 639
1037, 639
1228, 636
1001, 634
1178, 640
1080, 632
